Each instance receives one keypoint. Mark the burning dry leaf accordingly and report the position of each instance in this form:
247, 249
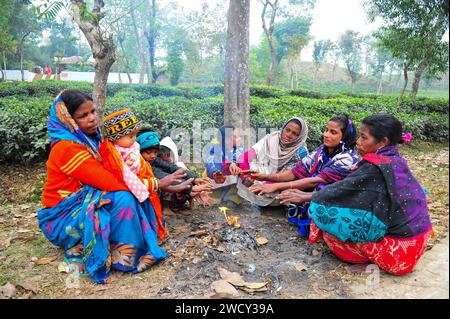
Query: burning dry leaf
46, 260
261, 241
223, 287
300, 267
232, 277
8, 290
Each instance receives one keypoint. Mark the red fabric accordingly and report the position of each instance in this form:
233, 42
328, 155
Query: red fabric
397, 256
244, 161
376, 159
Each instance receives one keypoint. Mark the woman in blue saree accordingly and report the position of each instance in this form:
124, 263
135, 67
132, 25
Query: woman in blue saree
87, 211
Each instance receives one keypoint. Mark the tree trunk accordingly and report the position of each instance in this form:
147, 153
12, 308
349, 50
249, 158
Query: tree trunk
380, 83
236, 88
4, 65
353, 86
417, 76
21, 55
405, 76
22, 76
138, 42
127, 64
269, 33
334, 70
102, 47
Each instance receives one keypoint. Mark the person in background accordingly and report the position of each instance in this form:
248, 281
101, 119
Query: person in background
220, 159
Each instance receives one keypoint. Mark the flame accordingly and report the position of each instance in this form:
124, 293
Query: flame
231, 220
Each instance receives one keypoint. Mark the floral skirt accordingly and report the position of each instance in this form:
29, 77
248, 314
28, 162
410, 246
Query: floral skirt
107, 229
396, 256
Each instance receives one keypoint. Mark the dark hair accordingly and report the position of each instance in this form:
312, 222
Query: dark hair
73, 99
222, 131
348, 129
163, 151
384, 125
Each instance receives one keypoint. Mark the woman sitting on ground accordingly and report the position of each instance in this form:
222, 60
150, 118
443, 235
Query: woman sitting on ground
87, 211
329, 163
276, 152
377, 214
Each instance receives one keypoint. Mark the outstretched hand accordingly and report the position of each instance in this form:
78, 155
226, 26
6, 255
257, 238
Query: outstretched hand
294, 196
263, 189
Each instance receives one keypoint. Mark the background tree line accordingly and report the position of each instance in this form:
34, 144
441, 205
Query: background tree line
165, 43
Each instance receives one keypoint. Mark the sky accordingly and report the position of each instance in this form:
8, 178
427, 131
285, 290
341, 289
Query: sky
330, 19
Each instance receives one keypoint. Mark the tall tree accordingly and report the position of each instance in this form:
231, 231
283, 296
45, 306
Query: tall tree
236, 88
138, 33
414, 32
268, 15
7, 42
273, 9
350, 45
292, 36
381, 61
321, 52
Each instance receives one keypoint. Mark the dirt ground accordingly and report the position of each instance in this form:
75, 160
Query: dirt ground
265, 250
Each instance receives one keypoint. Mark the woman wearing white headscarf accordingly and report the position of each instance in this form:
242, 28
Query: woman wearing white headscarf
274, 153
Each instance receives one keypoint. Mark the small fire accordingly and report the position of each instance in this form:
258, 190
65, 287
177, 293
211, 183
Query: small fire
231, 220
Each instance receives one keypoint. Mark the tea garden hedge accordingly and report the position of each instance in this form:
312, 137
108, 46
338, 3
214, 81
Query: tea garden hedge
24, 109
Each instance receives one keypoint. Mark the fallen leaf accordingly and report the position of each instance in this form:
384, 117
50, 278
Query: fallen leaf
232, 277
251, 291
29, 285
255, 285
46, 260
20, 231
315, 252
261, 241
63, 267
300, 267
223, 287
8, 290
199, 233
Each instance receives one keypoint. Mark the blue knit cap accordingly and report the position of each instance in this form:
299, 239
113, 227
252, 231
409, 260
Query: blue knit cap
148, 139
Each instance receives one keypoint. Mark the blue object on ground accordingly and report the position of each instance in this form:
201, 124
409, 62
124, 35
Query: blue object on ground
303, 226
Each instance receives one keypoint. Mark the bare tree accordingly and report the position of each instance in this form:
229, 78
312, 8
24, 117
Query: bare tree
268, 27
236, 88
101, 43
